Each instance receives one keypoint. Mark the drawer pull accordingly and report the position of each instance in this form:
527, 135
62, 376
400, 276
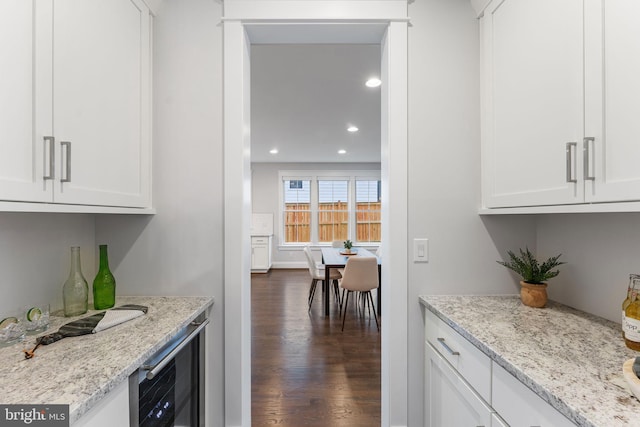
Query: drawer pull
444, 344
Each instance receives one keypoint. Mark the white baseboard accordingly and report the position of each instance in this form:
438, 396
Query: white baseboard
290, 264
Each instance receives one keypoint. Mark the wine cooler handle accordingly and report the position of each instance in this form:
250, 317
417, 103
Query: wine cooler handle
67, 145
153, 370
52, 160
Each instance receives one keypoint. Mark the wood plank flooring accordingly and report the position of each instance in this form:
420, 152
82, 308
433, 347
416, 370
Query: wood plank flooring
305, 371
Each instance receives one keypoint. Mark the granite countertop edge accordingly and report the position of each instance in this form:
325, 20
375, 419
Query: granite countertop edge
568, 410
95, 363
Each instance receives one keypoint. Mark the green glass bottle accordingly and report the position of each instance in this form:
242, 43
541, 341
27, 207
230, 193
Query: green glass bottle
104, 285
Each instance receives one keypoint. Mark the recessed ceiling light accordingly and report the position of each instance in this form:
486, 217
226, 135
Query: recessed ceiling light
373, 82
352, 128
274, 151
342, 151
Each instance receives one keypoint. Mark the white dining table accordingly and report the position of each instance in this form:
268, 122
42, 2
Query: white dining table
335, 258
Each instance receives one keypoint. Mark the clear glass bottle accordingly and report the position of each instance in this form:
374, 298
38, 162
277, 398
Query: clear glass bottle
104, 285
75, 292
632, 318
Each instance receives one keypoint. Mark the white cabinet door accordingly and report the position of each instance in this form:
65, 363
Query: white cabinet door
521, 407
25, 115
449, 399
532, 102
612, 113
261, 253
112, 410
101, 102
496, 421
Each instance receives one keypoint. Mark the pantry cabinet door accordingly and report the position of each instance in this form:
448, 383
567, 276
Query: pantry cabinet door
612, 73
101, 75
25, 114
532, 102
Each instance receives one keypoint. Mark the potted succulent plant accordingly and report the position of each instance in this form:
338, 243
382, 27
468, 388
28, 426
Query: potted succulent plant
348, 244
533, 290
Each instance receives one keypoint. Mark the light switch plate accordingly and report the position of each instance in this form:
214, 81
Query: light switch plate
420, 250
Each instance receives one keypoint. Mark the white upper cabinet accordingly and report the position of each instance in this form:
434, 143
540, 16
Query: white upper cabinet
533, 77
612, 113
560, 104
25, 116
82, 134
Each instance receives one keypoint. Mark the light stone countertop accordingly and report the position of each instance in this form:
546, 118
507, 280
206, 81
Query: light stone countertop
79, 371
571, 359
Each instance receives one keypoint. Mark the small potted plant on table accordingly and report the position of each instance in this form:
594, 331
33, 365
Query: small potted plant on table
348, 244
533, 290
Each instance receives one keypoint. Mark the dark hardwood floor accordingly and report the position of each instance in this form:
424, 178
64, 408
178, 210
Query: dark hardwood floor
305, 371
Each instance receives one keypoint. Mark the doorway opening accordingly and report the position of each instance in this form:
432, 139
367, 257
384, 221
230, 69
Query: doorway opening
392, 37
315, 163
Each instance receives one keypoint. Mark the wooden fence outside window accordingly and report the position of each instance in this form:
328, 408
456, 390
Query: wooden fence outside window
333, 222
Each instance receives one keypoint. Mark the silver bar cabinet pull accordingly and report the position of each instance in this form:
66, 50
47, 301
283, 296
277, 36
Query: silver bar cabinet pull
588, 158
153, 370
52, 160
569, 155
444, 344
67, 176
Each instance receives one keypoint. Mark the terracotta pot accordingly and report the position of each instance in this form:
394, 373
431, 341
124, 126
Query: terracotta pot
533, 295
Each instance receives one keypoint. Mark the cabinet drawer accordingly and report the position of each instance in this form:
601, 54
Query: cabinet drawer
519, 406
470, 362
259, 240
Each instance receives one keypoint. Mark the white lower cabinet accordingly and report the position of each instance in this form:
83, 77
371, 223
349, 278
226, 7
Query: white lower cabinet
521, 407
450, 400
496, 421
112, 410
260, 254
464, 387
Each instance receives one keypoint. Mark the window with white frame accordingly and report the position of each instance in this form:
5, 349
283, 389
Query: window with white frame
318, 207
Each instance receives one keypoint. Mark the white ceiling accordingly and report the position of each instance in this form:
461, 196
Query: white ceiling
303, 98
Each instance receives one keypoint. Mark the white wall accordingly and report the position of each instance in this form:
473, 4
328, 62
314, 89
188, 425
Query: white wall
444, 174
264, 193
35, 256
601, 250
179, 250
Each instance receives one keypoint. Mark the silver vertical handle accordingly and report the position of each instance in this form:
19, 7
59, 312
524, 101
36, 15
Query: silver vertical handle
569, 155
588, 158
67, 176
154, 369
52, 164
453, 353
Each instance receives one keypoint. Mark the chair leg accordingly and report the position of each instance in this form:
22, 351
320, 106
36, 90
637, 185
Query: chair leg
336, 291
344, 315
341, 302
312, 291
375, 316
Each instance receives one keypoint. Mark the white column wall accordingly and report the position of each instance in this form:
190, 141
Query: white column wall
444, 175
